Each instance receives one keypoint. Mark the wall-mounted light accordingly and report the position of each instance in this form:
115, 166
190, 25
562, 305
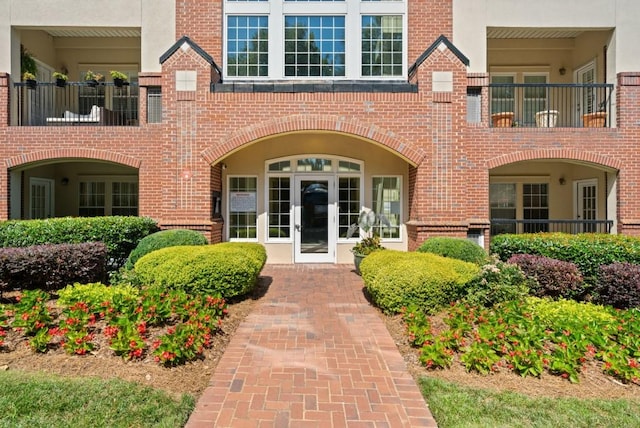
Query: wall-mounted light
223, 166
562, 180
64, 181
562, 71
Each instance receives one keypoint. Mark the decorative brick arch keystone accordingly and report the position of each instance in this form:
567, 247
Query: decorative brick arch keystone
590, 157
298, 123
77, 153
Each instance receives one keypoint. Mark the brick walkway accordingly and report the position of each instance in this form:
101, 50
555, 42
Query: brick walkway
313, 353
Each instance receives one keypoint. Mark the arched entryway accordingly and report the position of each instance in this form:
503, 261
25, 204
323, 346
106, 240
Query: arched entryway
553, 195
298, 193
72, 187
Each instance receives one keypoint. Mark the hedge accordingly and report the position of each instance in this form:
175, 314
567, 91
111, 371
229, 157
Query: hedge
163, 239
52, 267
120, 234
619, 285
587, 250
397, 279
552, 278
228, 269
456, 248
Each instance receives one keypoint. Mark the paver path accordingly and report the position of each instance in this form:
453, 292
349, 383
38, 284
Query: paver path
313, 353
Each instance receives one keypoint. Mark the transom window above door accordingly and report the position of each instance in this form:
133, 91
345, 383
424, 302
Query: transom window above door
315, 39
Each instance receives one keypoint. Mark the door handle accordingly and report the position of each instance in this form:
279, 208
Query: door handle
298, 227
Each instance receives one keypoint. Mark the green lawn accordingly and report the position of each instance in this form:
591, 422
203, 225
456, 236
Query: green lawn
454, 406
44, 400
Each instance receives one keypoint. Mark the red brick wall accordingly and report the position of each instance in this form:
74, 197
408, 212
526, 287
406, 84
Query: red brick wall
448, 188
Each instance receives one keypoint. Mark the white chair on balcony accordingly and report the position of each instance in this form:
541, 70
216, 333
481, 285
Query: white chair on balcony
71, 118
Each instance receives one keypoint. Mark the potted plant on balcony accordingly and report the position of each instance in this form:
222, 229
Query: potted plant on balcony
119, 78
92, 78
29, 79
367, 221
502, 120
61, 79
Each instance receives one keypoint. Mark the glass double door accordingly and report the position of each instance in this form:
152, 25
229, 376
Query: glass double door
314, 219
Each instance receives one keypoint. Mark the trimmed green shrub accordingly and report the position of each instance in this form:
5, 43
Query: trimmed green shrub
587, 250
619, 285
228, 269
51, 267
551, 278
397, 279
163, 239
120, 234
496, 282
455, 248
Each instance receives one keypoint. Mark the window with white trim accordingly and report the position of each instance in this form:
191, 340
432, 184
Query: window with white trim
386, 199
279, 207
99, 196
303, 39
243, 208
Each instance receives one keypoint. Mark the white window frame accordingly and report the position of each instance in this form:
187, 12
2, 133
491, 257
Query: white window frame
108, 180
400, 203
228, 208
293, 172
352, 10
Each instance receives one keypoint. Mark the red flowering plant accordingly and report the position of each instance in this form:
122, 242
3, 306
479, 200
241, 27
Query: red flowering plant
31, 312
78, 329
127, 338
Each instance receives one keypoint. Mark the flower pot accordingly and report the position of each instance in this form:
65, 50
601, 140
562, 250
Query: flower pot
31, 83
546, 118
92, 82
502, 120
119, 82
594, 120
357, 259
61, 83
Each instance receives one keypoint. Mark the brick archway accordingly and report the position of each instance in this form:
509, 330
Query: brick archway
77, 153
330, 123
560, 154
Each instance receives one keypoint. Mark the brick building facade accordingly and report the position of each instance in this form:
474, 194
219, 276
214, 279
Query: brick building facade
396, 116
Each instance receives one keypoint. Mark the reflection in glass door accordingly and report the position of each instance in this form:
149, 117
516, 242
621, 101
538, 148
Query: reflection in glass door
314, 220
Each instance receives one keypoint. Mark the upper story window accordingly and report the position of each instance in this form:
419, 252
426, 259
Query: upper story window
312, 39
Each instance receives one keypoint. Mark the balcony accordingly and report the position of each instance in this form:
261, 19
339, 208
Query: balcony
74, 104
550, 105
503, 225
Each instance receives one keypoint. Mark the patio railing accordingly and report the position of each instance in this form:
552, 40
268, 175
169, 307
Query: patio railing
550, 105
503, 225
76, 103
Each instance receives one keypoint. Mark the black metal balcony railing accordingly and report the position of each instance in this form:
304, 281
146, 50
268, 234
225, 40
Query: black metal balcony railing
550, 105
503, 225
76, 103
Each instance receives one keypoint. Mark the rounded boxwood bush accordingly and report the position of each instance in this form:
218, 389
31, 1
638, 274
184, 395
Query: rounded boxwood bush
228, 269
164, 239
455, 248
397, 279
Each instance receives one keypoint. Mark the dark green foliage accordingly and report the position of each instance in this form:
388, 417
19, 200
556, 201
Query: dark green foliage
455, 248
163, 239
120, 234
397, 279
496, 282
52, 267
551, 278
619, 285
228, 269
587, 250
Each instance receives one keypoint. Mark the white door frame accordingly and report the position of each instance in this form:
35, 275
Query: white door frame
579, 205
328, 256
47, 205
